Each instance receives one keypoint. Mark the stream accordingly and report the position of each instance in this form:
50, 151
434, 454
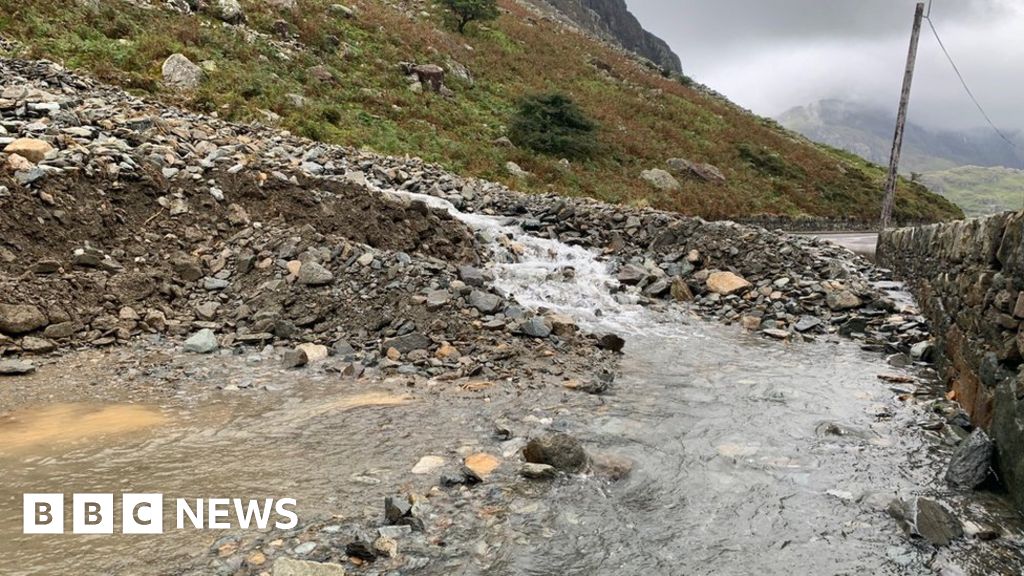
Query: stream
748, 456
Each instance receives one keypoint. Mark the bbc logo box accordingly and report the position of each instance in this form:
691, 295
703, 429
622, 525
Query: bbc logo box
93, 513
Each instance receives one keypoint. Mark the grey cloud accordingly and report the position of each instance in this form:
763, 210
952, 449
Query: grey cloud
770, 55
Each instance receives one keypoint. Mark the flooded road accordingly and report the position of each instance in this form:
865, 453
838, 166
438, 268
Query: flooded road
738, 455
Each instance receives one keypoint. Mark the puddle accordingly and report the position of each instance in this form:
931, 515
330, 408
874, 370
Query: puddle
49, 428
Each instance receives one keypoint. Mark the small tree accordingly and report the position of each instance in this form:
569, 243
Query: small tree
553, 124
466, 11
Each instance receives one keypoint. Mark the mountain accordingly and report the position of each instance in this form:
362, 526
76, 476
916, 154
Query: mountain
612, 20
868, 131
975, 168
397, 78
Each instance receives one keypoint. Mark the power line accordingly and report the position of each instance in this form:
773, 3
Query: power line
962, 80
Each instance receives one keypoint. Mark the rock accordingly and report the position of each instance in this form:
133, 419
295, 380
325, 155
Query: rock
30, 149
385, 547
631, 275
537, 327
34, 345
472, 276
561, 451
661, 180
562, 325
202, 342
927, 519
365, 259
485, 302
62, 330
16, 367
516, 172
776, 333
923, 351
842, 300
538, 471
482, 464
314, 352
291, 567
807, 323
437, 299
179, 72
611, 342
20, 319
680, 291
612, 466
229, 11
726, 283
294, 358
463, 476
313, 274
396, 507
705, 172
343, 11
408, 343
970, 465
428, 465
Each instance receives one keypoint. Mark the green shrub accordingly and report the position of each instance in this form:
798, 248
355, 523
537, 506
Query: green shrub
466, 11
553, 124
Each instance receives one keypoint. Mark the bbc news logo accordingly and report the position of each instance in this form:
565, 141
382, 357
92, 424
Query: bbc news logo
144, 513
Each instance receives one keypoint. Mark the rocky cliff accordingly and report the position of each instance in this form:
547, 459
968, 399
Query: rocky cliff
968, 277
612, 20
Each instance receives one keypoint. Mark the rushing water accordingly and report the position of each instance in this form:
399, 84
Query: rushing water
749, 456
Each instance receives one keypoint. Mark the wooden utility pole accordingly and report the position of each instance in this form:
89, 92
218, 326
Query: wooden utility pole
901, 121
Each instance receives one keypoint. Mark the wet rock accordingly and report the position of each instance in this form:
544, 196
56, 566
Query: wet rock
292, 567
807, 323
924, 518
294, 358
611, 342
562, 325
535, 471
776, 333
202, 342
463, 476
16, 367
561, 451
21, 318
361, 548
726, 283
923, 351
314, 274
482, 464
428, 464
971, 462
485, 302
395, 508
408, 343
314, 352
472, 276
680, 291
612, 466
537, 327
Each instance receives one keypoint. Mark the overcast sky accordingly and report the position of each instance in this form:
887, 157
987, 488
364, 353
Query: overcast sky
770, 55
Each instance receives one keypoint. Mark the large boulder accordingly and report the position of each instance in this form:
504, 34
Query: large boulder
21, 319
924, 518
660, 179
971, 462
179, 72
705, 172
726, 283
560, 451
229, 11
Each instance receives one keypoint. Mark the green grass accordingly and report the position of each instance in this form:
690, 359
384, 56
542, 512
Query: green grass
979, 190
643, 119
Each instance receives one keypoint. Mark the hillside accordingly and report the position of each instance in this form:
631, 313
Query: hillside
979, 190
334, 73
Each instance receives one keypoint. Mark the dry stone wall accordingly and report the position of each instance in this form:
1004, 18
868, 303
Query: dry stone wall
968, 277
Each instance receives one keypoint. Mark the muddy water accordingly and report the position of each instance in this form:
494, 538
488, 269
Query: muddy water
749, 456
